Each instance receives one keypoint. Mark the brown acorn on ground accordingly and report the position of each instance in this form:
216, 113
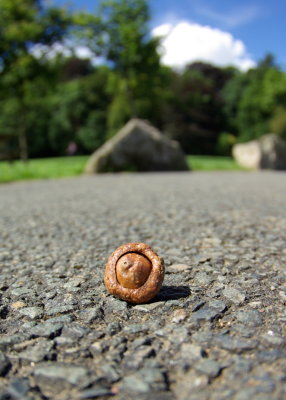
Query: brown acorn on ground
134, 273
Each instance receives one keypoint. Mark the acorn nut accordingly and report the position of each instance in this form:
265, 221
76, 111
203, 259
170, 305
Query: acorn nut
134, 272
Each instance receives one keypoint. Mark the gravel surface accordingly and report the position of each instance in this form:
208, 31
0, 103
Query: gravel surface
216, 330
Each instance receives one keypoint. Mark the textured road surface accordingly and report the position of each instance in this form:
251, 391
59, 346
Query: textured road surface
215, 331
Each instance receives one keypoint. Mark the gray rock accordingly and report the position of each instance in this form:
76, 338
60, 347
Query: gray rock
113, 328
189, 385
115, 305
268, 152
218, 305
273, 339
75, 331
179, 335
91, 314
134, 383
205, 314
135, 359
178, 268
191, 352
117, 350
74, 282
64, 341
98, 348
22, 292
56, 377
137, 146
60, 309
95, 392
245, 331
207, 367
18, 388
240, 368
235, 344
31, 312
40, 351
63, 319
9, 340
135, 328
47, 329
249, 318
234, 295
246, 394
202, 278
270, 355
142, 341
143, 381
109, 372
28, 325
148, 307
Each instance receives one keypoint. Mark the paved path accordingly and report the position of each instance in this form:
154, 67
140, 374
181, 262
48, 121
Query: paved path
215, 331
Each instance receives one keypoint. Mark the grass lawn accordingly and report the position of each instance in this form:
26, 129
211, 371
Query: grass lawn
212, 163
42, 168
46, 168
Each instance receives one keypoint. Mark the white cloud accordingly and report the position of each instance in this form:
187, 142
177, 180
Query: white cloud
185, 42
236, 17
65, 50
49, 52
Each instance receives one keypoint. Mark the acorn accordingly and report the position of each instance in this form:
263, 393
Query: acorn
134, 273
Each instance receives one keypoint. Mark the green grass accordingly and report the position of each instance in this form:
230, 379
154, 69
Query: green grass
46, 168
212, 163
43, 168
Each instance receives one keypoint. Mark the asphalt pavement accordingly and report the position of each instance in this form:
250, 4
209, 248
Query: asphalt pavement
215, 331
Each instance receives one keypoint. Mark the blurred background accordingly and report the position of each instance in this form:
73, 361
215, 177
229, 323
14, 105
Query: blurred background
72, 74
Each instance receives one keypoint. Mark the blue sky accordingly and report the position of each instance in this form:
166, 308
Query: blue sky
235, 32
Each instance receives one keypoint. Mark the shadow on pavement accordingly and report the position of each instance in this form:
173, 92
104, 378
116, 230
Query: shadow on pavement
172, 293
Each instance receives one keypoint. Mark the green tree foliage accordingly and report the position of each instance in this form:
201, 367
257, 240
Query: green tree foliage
74, 68
47, 102
29, 29
259, 101
24, 109
80, 112
278, 121
232, 93
25, 24
251, 99
224, 144
126, 44
193, 109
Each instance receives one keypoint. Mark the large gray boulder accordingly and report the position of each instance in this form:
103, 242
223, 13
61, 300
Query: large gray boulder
138, 146
268, 152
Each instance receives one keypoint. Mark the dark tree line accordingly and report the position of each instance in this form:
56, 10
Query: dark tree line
49, 99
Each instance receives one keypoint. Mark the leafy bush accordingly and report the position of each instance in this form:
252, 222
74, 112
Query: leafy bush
225, 143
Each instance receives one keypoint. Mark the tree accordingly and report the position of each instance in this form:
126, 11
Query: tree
278, 122
126, 44
193, 110
264, 93
28, 31
74, 68
254, 99
232, 93
80, 115
24, 25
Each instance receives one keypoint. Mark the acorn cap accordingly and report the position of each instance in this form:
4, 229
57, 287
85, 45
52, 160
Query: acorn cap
134, 272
